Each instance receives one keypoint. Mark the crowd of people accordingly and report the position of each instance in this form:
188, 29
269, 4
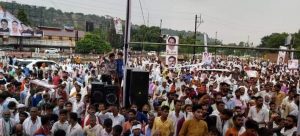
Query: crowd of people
227, 97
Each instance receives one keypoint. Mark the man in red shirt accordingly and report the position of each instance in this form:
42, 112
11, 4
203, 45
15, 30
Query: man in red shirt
45, 128
56, 78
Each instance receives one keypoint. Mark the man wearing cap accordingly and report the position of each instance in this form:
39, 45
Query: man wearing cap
136, 130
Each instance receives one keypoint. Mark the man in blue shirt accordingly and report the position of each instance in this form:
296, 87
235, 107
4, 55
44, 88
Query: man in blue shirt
120, 67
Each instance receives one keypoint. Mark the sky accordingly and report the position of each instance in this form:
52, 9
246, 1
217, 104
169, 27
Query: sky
232, 20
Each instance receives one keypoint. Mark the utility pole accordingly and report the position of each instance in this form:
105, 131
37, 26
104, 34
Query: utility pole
160, 25
216, 38
248, 41
148, 20
161, 38
197, 24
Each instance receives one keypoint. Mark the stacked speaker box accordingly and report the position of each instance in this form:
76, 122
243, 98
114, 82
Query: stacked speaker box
106, 94
136, 88
89, 26
127, 89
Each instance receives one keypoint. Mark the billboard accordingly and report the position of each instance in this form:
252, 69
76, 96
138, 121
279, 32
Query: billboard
206, 58
293, 64
281, 56
171, 60
11, 26
118, 25
172, 50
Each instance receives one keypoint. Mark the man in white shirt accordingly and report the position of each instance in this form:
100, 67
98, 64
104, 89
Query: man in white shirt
32, 123
93, 129
290, 126
77, 104
62, 123
74, 128
220, 106
176, 115
116, 117
259, 113
107, 131
6, 123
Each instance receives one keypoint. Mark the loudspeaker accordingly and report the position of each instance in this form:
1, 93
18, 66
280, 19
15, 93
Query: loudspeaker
97, 93
106, 94
139, 84
111, 95
127, 89
89, 26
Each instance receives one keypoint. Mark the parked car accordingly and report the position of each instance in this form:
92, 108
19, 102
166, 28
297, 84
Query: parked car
52, 51
38, 62
150, 53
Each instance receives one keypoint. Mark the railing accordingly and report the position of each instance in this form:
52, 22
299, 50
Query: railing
57, 43
48, 43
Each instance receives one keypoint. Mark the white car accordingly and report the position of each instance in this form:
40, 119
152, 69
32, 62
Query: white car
151, 53
52, 51
37, 62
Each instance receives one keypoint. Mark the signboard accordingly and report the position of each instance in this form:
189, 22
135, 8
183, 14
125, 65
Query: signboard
18, 54
172, 50
206, 58
11, 26
293, 64
281, 56
118, 25
171, 60
172, 43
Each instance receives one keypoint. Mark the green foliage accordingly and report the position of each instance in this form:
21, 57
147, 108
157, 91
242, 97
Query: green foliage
92, 43
22, 16
274, 40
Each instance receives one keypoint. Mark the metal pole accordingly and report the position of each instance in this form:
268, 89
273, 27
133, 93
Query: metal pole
218, 46
194, 48
126, 44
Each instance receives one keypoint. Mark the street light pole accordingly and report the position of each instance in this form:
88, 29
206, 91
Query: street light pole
126, 45
195, 36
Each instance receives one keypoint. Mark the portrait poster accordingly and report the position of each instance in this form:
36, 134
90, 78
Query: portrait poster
293, 64
118, 25
281, 56
11, 26
171, 60
171, 47
206, 58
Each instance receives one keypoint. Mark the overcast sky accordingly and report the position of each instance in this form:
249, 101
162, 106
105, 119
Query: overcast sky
234, 20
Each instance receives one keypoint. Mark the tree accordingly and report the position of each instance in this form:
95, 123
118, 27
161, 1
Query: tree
92, 43
274, 40
22, 16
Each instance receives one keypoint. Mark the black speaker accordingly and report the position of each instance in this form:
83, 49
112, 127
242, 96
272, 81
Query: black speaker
89, 26
97, 93
127, 89
111, 95
139, 84
106, 94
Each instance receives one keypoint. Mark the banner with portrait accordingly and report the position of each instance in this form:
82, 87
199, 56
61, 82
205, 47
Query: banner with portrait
293, 64
11, 26
172, 42
281, 56
171, 60
172, 50
206, 58
118, 25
